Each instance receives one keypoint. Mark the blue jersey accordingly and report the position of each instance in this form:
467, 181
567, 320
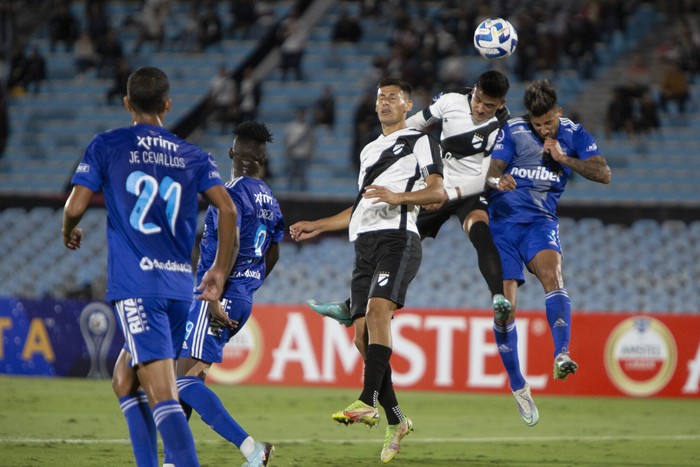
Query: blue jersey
150, 179
260, 224
540, 179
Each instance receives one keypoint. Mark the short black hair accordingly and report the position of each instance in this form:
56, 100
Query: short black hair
253, 131
494, 84
540, 98
405, 87
148, 89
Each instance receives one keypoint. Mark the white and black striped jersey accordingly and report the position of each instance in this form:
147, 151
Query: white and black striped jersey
400, 161
466, 145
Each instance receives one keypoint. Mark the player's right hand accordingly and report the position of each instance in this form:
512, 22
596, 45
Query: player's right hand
303, 230
220, 317
507, 183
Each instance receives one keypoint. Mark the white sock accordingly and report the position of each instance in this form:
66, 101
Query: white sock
247, 446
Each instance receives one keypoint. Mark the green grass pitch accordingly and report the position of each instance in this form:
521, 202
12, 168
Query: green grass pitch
77, 422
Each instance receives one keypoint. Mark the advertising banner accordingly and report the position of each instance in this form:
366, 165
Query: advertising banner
58, 338
619, 354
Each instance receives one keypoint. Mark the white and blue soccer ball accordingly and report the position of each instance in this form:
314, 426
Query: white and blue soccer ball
495, 38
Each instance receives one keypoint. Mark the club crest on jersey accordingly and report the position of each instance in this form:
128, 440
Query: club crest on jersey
398, 147
477, 140
382, 279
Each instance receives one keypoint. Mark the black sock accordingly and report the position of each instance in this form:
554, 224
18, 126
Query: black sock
375, 366
387, 399
489, 260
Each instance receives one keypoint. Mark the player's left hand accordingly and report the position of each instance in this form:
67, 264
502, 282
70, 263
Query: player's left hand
219, 316
74, 239
381, 194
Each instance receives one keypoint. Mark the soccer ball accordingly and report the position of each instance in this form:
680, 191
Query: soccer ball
495, 38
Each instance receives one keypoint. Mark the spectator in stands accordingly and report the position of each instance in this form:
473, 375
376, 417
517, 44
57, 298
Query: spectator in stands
673, 87
4, 118
299, 146
85, 55
190, 34
36, 70
366, 125
110, 52
647, 115
8, 29
245, 16
121, 78
222, 98
249, 95
97, 21
293, 44
347, 28
151, 24
324, 108
63, 27
620, 113
210, 26
17, 80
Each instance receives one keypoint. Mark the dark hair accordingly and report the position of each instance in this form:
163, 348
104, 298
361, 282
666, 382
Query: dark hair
494, 84
405, 87
253, 131
148, 89
540, 98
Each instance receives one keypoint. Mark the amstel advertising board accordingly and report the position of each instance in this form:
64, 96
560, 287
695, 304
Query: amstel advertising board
619, 354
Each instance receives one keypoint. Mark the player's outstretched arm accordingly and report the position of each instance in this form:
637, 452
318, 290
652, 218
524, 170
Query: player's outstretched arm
73, 211
303, 230
432, 193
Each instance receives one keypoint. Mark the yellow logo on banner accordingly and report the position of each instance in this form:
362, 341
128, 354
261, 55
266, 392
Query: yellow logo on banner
241, 355
640, 356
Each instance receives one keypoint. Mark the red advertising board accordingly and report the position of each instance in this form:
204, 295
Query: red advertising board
619, 354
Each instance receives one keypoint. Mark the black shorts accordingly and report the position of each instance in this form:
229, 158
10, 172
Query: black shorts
429, 222
385, 263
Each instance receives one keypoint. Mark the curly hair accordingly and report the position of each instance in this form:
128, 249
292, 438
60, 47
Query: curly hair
253, 131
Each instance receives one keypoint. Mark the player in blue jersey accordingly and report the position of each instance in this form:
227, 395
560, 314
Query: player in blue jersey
399, 171
532, 160
261, 228
151, 180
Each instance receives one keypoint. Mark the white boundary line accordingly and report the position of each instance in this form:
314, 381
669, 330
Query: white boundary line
511, 439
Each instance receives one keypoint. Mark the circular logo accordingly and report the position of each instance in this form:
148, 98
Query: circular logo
241, 355
640, 356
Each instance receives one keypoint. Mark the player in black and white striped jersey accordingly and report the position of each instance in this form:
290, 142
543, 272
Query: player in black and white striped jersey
470, 119
399, 171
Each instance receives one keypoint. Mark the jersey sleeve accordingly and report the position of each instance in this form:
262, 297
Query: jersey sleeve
429, 155
584, 144
504, 148
427, 116
90, 171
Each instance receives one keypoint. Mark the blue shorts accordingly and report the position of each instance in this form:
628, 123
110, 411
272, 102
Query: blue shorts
153, 328
205, 340
517, 244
